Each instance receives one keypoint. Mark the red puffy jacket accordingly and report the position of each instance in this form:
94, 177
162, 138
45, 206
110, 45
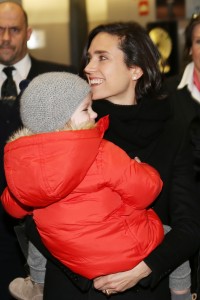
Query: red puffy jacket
89, 198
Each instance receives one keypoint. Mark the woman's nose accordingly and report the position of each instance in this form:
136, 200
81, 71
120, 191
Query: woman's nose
90, 67
87, 69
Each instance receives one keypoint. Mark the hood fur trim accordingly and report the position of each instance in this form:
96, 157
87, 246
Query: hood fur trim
19, 133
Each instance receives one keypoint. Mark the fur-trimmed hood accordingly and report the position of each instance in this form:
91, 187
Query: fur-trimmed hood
20, 133
51, 164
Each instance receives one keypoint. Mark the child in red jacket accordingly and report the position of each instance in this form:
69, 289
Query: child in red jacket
89, 200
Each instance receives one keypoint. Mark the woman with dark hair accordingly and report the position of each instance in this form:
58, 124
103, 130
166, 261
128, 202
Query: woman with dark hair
185, 88
137, 50
121, 64
189, 81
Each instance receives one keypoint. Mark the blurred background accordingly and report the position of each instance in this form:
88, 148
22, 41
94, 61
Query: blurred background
61, 26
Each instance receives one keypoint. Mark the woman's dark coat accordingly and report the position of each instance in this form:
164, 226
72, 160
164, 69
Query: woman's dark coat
157, 132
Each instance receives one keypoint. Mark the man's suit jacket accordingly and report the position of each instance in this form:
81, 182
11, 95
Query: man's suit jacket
190, 109
9, 110
40, 67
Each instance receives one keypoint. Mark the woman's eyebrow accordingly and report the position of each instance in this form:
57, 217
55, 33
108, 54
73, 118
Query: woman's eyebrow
99, 52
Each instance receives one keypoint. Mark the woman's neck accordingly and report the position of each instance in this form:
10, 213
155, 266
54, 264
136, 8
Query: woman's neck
125, 98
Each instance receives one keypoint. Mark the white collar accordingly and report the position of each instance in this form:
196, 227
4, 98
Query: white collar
23, 66
187, 80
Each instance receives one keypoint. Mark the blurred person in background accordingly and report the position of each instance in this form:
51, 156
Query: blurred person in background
185, 88
16, 64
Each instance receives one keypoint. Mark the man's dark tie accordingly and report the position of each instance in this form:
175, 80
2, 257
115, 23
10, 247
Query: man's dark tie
9, 89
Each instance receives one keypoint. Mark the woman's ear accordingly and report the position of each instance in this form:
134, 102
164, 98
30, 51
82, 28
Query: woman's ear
136, 72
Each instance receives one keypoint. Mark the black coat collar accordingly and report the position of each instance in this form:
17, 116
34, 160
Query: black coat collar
134, 127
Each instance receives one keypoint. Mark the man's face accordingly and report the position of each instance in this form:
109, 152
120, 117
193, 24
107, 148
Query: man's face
14, 33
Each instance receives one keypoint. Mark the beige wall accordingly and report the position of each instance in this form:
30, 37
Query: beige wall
52, 17
129, 11
113, 10
57, 43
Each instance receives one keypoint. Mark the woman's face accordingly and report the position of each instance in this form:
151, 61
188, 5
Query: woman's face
195, 49
107, 73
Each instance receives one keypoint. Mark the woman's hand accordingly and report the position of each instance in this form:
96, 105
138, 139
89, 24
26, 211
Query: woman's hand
122, 281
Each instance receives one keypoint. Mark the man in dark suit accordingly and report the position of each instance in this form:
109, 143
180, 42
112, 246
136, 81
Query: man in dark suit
14, 34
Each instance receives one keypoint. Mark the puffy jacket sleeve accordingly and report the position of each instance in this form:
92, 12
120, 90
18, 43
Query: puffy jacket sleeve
138, 183
13, 206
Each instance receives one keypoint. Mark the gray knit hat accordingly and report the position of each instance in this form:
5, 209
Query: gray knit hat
50, 100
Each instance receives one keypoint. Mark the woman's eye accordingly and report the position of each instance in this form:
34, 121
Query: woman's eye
197, 41
102, 57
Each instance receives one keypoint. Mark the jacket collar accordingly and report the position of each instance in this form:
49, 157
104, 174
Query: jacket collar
187, 80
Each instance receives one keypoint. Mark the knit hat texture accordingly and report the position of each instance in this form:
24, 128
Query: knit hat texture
50, 99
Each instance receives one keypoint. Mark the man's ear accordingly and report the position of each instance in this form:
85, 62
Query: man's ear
28, 34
